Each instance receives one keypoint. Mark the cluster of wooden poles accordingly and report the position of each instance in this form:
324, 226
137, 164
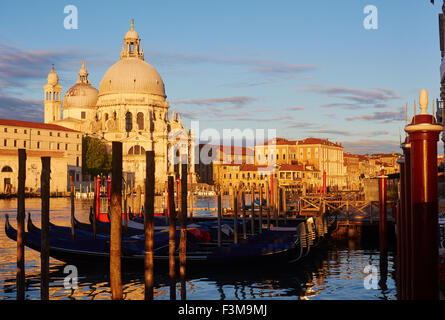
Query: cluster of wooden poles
116, 227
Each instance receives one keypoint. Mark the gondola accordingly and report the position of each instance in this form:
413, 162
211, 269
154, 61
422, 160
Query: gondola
271, 246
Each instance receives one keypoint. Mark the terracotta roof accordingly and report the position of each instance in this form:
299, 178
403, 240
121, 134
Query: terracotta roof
319, 141
32, 153
279, 142
37, 125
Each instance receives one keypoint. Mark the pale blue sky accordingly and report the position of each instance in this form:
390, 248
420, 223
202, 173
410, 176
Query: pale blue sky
306, 68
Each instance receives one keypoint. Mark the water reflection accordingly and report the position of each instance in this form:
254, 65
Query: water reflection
333, 272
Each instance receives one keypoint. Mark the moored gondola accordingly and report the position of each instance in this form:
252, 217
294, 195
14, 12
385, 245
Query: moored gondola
271, 246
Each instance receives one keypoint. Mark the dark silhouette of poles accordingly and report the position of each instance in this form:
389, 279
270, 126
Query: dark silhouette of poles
399, 231
383, 231
183, 237
125, 204
235, 217
116, 222
44, 250
243, 203
424, 133
21, 225
73, 191
252, 218
268, 205
149, 222
172, 236
407, 225
93, 217
219, 219
260, 216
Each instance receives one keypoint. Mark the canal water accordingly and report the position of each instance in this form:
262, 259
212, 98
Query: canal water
337, 271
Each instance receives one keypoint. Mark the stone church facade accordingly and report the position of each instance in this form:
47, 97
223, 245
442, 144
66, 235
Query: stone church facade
131, 107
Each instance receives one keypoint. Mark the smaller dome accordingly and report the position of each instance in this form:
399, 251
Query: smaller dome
53, 78
80, 95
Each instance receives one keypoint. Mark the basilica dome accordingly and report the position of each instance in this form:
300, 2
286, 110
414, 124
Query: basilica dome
132, 75
82, 94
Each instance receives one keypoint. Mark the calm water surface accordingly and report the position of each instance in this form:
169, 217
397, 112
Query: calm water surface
336, 272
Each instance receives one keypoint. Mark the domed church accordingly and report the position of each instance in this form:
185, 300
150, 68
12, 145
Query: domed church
130, 106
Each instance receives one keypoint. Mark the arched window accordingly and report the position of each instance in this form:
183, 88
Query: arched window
136, 150
6, 169
140, 121
128, 122
106, 117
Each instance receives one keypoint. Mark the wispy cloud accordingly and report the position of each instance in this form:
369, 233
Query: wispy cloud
19, 67
354, 96
296, 108
236, 102
20, 109
384, 117
262, 66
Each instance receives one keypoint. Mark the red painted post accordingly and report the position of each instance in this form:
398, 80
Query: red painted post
406, 225
97, 196
324, 182
271, 189
400, 222
109, 191
424, 134
383, 231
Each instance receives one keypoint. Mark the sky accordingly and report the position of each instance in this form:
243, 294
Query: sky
303, 68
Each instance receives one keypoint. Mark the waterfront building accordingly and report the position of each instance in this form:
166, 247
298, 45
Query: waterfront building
62, 144
325, 156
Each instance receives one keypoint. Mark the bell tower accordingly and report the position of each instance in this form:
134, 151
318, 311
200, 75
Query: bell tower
52, 97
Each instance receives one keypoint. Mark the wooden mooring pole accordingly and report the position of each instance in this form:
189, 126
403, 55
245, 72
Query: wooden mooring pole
73, 191
149, 223
252, 217
44, 250
423, 134
219, 219
21, 225
400, 217
260, 216
116, 222
268, 205
183, 238
243, 204
172, 236
407, 226
383, 230
235, 217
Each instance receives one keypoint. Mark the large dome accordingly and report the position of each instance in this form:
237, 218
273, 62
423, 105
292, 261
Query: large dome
132, 75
